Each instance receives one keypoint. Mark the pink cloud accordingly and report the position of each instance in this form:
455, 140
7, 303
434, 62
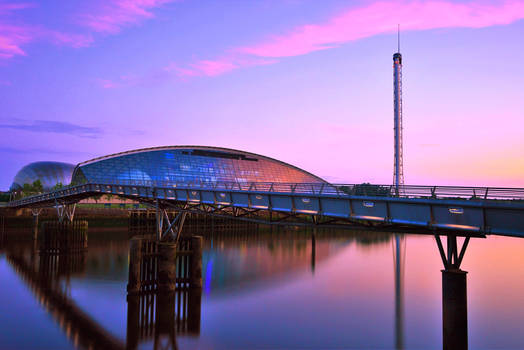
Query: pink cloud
106, 83
68, 39
115, 14
218, 66
383, 17
12, 37
14, 34
359, 23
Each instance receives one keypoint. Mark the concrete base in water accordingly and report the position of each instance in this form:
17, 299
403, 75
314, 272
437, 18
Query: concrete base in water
454, 310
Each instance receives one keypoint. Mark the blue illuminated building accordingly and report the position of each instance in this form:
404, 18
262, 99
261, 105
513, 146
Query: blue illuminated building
167, 166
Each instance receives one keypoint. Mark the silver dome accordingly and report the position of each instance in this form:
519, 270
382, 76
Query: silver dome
49, 173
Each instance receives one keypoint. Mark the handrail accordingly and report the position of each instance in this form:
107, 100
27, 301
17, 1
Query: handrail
336, 190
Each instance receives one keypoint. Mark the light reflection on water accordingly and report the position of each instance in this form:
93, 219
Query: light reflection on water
274, 290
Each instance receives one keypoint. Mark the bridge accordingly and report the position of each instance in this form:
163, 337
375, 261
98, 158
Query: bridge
463, 211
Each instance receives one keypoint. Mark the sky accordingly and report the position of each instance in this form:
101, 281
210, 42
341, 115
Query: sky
305, 81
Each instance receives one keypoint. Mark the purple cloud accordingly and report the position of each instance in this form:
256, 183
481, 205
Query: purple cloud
15, 34
49, 126
112, 15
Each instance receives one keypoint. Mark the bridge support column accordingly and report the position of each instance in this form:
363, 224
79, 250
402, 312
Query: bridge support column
454, 296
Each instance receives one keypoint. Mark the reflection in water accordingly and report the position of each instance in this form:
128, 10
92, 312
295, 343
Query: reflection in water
399, 256
246, 259
286, 288
47, 272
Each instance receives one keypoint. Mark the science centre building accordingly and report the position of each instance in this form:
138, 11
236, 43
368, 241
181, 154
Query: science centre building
165, 166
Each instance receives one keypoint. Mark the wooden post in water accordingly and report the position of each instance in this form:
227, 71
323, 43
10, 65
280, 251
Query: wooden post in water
166, 267
135, 262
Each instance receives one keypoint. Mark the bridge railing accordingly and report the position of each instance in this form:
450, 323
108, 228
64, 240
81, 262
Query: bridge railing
338, 190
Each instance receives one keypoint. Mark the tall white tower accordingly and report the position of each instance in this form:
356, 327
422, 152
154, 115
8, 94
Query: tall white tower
398, 171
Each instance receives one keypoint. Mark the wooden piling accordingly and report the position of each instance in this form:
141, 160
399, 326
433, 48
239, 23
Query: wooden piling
166, 267
135, 262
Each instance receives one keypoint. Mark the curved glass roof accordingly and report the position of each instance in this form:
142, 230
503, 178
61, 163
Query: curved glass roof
165, 166
49, 173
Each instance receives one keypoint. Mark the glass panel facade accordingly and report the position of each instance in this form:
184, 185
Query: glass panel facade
169, 167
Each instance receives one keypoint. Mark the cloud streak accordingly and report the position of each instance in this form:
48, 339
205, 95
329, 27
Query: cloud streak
48, 126
113, 15
108, 17
359, 23
14, 34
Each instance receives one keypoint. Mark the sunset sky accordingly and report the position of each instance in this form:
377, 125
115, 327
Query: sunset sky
305, 81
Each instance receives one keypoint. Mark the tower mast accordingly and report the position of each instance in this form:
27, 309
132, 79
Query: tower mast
398, 171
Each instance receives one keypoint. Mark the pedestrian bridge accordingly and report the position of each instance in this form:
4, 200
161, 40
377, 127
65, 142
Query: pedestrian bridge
468, 211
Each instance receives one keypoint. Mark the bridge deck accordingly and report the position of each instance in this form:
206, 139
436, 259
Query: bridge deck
469, 210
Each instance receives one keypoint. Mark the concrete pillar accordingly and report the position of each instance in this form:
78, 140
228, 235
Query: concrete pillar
135, 262
196, 262
166, 267
454, 310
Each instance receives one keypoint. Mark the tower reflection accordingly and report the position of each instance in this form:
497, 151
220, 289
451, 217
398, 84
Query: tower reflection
399, 256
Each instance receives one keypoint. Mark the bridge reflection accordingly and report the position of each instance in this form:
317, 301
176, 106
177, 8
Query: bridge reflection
153, 313
156, 317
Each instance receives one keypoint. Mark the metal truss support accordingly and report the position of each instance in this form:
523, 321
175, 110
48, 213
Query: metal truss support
36, 211
168, 230
65, 211
453, 258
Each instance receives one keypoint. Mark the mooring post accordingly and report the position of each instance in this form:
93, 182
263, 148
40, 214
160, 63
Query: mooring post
135, 262
454, 310
166, 266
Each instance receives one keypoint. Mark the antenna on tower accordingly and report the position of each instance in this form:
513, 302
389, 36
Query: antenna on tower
398, 37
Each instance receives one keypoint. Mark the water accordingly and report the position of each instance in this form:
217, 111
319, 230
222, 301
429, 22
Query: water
268, 291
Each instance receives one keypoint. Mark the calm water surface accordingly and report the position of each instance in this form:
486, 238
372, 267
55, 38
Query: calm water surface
263, 290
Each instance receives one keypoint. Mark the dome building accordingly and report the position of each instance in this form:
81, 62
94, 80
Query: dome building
49, 174
167, 166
